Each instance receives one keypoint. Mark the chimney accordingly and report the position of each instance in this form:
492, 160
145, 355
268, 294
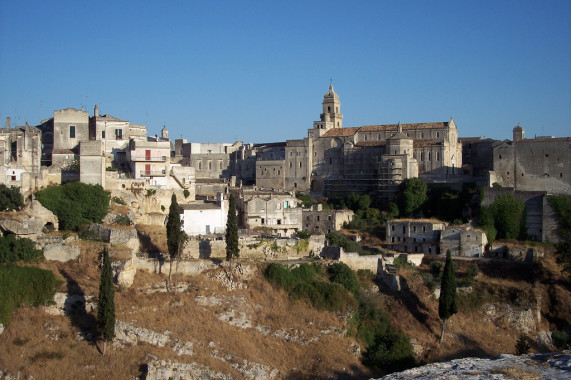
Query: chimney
96, 111
8, 122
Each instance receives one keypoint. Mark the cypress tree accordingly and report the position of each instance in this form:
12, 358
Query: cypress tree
174, 234
106, 303
232, 248
447, 304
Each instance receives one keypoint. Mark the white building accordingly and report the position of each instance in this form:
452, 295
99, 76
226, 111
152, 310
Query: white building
204, 218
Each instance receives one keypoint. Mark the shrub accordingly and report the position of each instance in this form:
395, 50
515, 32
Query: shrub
24, 286
473, 270
280, 276
186, 193
119, 201
122, 220
391, 351
303, 273
560, 339
412, 194
75, 204
13, 248
303, 234
436, 269
336, 239
522, 345
341, 273
10, 198
305, 199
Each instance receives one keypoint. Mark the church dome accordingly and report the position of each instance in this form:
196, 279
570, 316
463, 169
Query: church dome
331, 93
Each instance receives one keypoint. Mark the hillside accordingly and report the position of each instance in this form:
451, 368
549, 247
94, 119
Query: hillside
256, 331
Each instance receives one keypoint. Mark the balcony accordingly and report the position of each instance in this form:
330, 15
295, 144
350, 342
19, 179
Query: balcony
148, 158
152, 173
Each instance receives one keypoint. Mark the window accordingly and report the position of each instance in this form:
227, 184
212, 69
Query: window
300, 164
429, 154
290, 165
118, 134
392, 228
329, 217
102, 134
421, 156
437, 134
209, 165
500, 156
330, 160
403, 229
318, 218
414, 228
437, 156
72, 131
200, 166
220, 165
279, 221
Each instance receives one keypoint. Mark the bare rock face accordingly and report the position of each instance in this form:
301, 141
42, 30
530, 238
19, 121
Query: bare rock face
23, 226
61, 252
552, 366
36, 209
69, 304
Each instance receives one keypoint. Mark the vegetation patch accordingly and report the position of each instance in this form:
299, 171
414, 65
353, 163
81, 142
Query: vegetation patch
75, 204
10, 198
24, 286
13, 248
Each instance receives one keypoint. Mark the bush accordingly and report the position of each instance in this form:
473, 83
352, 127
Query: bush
119, 201
391, 351
303, 234
473, 271
122, 220
336, 239
560, 339
305, 199
10, 198
280, 276
436, 269
186, 193
303, 273
522, 345
13, 248
341, 273
24, 286
75, 204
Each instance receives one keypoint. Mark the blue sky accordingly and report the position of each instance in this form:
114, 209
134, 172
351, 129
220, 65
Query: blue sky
256, 71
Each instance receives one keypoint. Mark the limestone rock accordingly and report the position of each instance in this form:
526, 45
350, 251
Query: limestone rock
126, 274
68, 304
1, 328
61, 252
553, 366
22, 225
36, 209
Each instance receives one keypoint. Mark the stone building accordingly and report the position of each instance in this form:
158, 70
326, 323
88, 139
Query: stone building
61, 135
204, 218
275, 211
92, 163
318, 220
150, 160
463, 241
415, 235
115, 134
538, 164
20, 155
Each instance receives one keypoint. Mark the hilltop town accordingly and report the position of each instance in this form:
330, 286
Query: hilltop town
336, 195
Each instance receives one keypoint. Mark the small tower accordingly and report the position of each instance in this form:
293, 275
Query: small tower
330, 117
164, 132
331, 108
518, 133
96, 111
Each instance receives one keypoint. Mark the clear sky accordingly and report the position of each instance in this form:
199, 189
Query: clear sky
256, 71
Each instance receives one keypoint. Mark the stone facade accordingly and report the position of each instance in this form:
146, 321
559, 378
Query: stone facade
463, 241
273, 210
415, 235
61, 135
317, 220
92, 163
20, 155
150, 159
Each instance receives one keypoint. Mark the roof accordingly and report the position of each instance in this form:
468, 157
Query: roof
544, 139
109, 118
371, 143
350, 131
424, 143
199, 206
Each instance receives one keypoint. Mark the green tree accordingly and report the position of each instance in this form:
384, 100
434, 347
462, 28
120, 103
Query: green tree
75, 204
232, 248
106, 303
343, 275
305, 199
448, 302
412, 195
13, 248
10, 198
174, 234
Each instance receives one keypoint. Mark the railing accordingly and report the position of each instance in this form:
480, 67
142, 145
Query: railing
152, 173
149, 159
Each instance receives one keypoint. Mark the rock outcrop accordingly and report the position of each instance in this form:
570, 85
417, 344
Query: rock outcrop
61, 252
552, 366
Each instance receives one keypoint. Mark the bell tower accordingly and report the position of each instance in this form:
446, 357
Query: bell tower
331, 117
